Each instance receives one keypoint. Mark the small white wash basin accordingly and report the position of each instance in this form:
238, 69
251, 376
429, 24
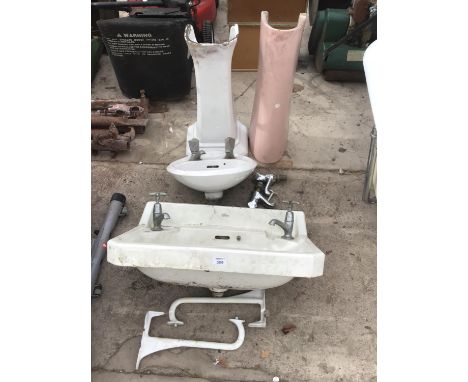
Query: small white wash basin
218, 247
212, 175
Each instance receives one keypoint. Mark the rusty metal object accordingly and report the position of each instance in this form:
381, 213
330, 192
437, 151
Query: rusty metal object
111, 139
359, 10
121, 123
122, 110
123, 113
142, 102
98, 104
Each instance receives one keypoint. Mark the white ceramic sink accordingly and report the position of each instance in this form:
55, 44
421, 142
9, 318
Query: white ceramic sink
218, 247
212, 175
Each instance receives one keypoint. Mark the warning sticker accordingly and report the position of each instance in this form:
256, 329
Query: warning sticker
138, 44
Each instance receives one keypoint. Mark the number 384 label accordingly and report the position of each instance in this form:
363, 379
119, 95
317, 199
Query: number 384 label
219, 261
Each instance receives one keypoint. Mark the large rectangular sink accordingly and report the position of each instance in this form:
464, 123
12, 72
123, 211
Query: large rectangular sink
218, 247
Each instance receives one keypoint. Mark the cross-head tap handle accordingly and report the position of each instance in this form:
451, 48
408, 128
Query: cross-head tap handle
290, 203
157, 195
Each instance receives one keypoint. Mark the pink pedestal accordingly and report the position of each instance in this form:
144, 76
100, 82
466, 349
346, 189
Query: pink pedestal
278, 54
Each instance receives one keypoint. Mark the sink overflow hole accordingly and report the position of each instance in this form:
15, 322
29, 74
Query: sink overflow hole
219, 237
212, 166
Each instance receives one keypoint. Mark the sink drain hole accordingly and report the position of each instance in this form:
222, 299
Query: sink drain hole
220, 237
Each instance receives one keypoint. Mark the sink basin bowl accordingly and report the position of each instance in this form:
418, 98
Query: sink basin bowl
218, 247
212, 175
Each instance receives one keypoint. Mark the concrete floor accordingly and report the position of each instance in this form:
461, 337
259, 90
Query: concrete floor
335, 315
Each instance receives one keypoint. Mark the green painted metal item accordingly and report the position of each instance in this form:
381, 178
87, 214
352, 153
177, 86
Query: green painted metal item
338, 44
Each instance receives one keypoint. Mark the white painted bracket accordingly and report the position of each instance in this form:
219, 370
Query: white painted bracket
150, 345
256, 296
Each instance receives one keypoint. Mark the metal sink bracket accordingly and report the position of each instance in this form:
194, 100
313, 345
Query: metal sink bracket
256, 296
150, 345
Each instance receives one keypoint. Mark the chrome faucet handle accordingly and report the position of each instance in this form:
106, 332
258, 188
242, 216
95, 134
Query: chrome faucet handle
260, 177
276, 177
196, 153
157, 195
290, 204
194, 145
265, 181
269, 180
229, 144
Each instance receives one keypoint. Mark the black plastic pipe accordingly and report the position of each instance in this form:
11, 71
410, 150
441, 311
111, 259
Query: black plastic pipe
99, 246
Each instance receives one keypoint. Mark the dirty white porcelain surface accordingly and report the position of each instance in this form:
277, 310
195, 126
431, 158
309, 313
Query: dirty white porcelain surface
215, 110
210, 174
218, 247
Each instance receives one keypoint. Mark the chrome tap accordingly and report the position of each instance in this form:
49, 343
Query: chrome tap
158, 215
288, 223
229, 143
196, 153
258, 196
269, 179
